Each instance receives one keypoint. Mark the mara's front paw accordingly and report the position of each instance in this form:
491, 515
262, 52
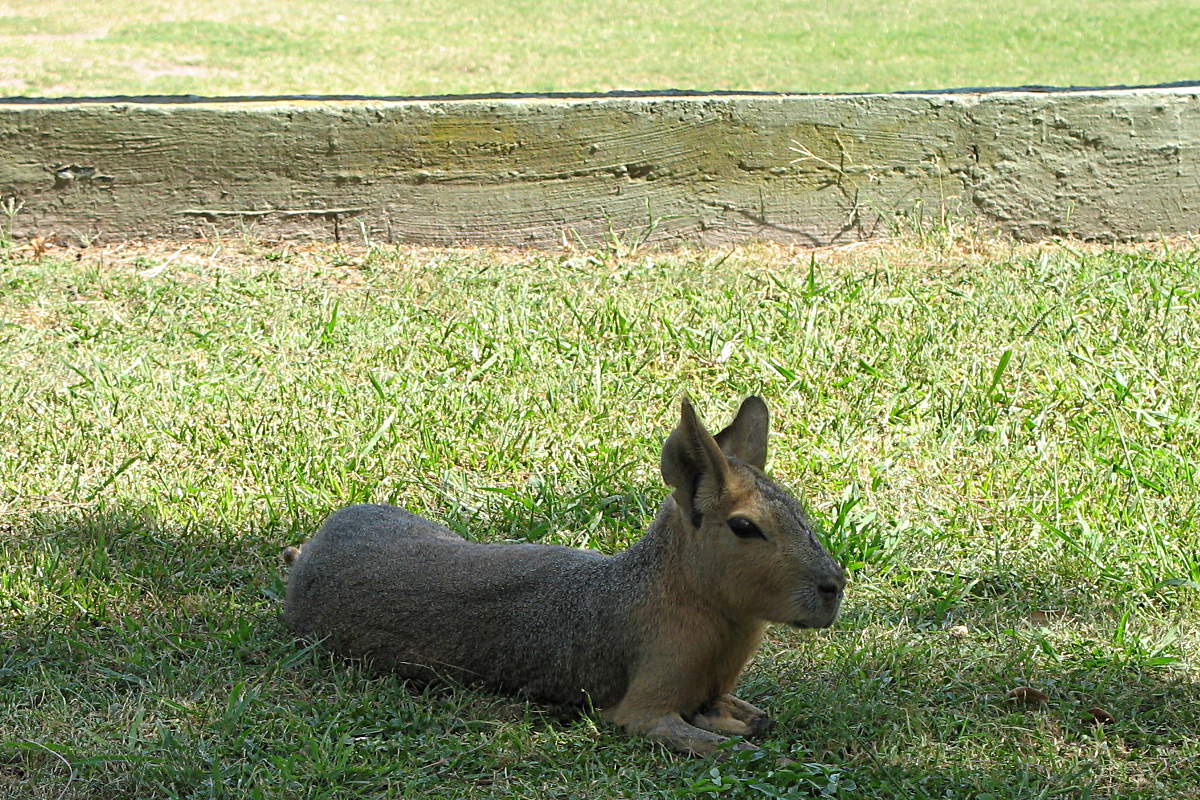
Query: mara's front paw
755, 719
759, 726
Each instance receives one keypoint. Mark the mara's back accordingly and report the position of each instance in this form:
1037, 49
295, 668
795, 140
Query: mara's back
381, 583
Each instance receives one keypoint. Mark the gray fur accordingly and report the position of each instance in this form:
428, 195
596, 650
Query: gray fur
545, 621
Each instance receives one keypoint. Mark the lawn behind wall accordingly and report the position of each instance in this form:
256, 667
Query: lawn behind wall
217, 47
999, 442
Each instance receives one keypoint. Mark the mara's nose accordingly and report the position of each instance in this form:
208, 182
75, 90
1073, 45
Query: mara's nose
830, 590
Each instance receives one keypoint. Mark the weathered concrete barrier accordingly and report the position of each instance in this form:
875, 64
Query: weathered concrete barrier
1103, 164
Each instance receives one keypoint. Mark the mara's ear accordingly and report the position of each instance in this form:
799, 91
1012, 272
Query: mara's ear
694, 465
746, 437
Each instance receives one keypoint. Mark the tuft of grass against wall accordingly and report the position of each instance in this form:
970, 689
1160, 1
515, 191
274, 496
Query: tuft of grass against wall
1001, 444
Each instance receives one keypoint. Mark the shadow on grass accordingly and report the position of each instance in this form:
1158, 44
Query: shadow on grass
927, 716
145, 657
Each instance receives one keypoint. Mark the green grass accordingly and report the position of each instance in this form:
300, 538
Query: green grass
1003, 445
56, 47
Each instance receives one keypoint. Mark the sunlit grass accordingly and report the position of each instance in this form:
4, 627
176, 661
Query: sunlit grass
216, 47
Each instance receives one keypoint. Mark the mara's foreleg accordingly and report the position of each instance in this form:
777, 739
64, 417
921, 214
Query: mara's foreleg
673, 731
652, 707
731, 715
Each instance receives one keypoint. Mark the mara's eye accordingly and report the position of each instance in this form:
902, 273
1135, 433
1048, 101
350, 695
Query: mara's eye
744, 528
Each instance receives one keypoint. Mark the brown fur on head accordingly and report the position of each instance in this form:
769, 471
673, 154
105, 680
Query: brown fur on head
748, 541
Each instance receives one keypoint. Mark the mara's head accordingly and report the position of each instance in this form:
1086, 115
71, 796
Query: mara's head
745, 537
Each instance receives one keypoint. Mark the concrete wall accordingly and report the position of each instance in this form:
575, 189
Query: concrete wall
819, 169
